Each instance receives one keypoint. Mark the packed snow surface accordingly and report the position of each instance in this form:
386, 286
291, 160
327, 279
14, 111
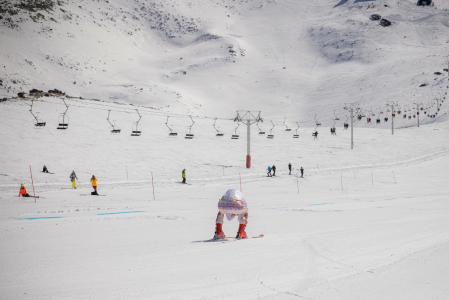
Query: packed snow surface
363, 223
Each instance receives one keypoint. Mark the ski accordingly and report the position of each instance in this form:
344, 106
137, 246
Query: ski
228, 239
47, 172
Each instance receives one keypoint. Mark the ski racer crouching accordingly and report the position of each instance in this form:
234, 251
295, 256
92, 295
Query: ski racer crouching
232, 203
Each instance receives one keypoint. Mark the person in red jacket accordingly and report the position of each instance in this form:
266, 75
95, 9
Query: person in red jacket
23, 191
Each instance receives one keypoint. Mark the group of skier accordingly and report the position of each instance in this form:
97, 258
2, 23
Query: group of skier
273, 168
73, 178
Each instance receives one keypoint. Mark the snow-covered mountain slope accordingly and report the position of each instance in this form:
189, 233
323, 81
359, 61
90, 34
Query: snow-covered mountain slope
289, 59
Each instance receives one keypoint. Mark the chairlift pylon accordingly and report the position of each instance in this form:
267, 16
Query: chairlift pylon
296, 135
286, 127
137, 129
39, 124
271, 135
236, 134
63, 119
114, 130
172, 134
219, 134
189, 133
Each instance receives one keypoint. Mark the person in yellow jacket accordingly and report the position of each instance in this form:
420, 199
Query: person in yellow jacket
94, 184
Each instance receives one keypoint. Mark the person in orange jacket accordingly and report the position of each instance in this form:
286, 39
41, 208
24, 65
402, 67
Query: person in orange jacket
94, 184
23, 191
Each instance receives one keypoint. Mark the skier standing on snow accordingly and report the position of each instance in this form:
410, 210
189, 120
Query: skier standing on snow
302, 171
184, 176
290, 168
94, 184
274, 170
73, 178
232, 203
269, 171
45, 170
23, 191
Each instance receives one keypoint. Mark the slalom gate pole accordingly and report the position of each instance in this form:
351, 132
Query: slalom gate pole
342, 181
240, 182
297, 181
394, 177
152, 182
32, 182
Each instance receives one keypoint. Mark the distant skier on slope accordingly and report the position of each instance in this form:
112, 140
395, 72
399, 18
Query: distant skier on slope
23, 191
184, 176
274, 170
94, 185
269, 171
73, 178
290, 168
45, 170
232, 203
302, 172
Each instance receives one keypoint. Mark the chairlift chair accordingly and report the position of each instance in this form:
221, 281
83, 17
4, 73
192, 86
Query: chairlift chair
336, 118
271, 136
260, 130
63, 119
316, 122
38, 124
296, 135
219, 134
137, 129
189, 132
236, 134
286, 127
171, 134
114, 130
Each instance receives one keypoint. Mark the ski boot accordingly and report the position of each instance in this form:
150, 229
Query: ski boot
219, 234
241, 234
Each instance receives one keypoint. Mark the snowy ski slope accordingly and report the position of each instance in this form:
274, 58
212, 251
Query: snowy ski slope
367, 223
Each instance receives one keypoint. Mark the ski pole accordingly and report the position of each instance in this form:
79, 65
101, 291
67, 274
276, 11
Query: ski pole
78, 182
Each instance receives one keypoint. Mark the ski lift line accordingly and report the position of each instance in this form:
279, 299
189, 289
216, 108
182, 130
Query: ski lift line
127, 110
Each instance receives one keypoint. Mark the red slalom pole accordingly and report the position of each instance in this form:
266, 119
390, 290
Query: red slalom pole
394, 177
240, 182
152, 182
33, 185
297, 181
